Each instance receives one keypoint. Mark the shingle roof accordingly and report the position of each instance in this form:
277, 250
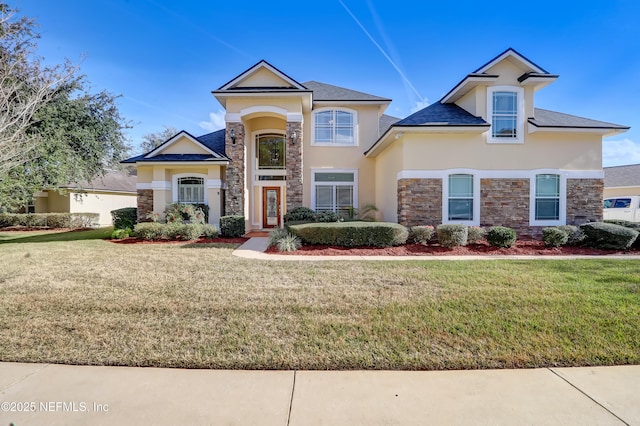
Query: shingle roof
546, 118
385, 122
622, 176
113, 181
215, 141
328, 92
439, 114
172, 157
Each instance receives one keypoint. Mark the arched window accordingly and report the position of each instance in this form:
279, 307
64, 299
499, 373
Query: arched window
191, 190
335, 127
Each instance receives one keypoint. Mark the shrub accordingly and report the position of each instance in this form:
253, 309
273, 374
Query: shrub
119, 234
420, 234
289, 242
276, 234
631, 225
209, 230
327, 217
232, 226
554, 237
299, 214
51, 220
84, 220
575, 234
149, 230
608, 235
476, 234
179, 212
452, 235
126, 217
351, 234
191, 231
501, 236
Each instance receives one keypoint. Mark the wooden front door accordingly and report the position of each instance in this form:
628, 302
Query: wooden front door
270, 207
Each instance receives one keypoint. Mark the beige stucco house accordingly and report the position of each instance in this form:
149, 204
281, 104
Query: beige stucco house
482, 155
622, 180
112, 191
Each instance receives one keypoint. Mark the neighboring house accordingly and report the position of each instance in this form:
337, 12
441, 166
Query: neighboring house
112, 191
622, 180
482, 155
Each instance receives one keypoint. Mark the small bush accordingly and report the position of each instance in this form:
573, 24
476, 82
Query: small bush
351, 234
327, 217
420, 234
126, 217
631, 225
452, 235
179, 213
476, 234
119, 234
300, 214
289, 242
554, 237
149, 230
501, 236
85, 220
191, 231
608, 236
276, 234
575, 234
209, 230
232, 226
51, 220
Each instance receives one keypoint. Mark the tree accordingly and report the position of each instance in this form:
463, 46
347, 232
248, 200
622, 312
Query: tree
150, 141
56, 132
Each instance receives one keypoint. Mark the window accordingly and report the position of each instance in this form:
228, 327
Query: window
190, 190
270, 151
334, 191
505, 109
335, 127
460, 198
547, 203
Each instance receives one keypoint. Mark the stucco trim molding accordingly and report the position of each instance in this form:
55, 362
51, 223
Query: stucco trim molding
499, 174
214, 183
160, 185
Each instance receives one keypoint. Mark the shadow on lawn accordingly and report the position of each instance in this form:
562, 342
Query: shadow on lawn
71, 235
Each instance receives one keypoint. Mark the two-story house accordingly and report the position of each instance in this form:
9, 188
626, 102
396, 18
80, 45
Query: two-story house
482, 155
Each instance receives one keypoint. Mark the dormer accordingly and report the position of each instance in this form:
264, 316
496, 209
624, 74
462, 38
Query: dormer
502, 93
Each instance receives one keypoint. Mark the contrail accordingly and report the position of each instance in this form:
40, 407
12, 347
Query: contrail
393, 64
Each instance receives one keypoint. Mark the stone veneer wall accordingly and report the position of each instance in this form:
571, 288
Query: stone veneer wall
145, 204
294, 165
420, 202
505, 202
584, 200
234, 195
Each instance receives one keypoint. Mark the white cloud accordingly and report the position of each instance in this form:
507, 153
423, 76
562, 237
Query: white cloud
423, 103
216, 121
620, 152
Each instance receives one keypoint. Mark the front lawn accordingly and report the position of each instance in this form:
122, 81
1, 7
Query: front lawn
196, 306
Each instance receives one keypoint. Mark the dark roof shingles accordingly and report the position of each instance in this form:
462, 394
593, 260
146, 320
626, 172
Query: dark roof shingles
329, 92
439, 114
622, 176
546, 118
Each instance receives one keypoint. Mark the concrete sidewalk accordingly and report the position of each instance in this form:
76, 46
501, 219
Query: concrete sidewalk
254, 249
36, 394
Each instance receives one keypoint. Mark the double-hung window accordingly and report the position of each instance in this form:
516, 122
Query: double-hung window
335, 127
505, 107
334, 191
547, 203
460, 198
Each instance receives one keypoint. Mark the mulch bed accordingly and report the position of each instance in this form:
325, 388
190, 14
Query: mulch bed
531, 248
135, 240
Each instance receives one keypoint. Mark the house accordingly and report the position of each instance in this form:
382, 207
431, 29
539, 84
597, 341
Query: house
482, 155
622, 180
112, 191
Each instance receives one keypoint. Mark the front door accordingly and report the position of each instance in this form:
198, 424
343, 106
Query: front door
270, 207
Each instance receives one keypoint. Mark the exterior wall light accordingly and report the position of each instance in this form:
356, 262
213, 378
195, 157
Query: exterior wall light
232, 135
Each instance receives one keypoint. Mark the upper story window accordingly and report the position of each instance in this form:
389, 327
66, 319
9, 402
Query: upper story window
335, 127
505, 109
270, 151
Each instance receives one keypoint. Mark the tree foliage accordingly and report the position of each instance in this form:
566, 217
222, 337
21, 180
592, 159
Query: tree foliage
56, 132
151, 141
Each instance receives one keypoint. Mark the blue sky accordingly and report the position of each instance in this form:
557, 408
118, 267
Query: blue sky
165, 57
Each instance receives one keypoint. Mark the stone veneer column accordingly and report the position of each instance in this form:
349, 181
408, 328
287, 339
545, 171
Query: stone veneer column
584, 200
234, 195
420, 202
145, 204
505, 202
294, 165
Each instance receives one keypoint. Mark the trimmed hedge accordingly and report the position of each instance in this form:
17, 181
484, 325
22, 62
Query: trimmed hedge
49, 220
421, 234
476, 233
351, 234
631, 225
501, 236
452, 235
232, 226
554, 237
124, 218
575, 234
174, 231
608, 236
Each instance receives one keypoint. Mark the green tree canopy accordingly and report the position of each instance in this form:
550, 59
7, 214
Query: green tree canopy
150, 141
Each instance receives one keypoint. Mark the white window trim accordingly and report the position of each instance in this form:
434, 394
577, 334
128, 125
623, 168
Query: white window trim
476, 197
519, 122
353, 112
174, 181
562, 214
323, 170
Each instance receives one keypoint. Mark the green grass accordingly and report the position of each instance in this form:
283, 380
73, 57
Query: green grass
47, 236
185, 305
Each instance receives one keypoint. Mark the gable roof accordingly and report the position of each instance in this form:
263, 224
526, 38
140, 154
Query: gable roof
232, 84
385, 122
112, 181
558, 120
617, 176
213, 142
439, 114
323, 92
